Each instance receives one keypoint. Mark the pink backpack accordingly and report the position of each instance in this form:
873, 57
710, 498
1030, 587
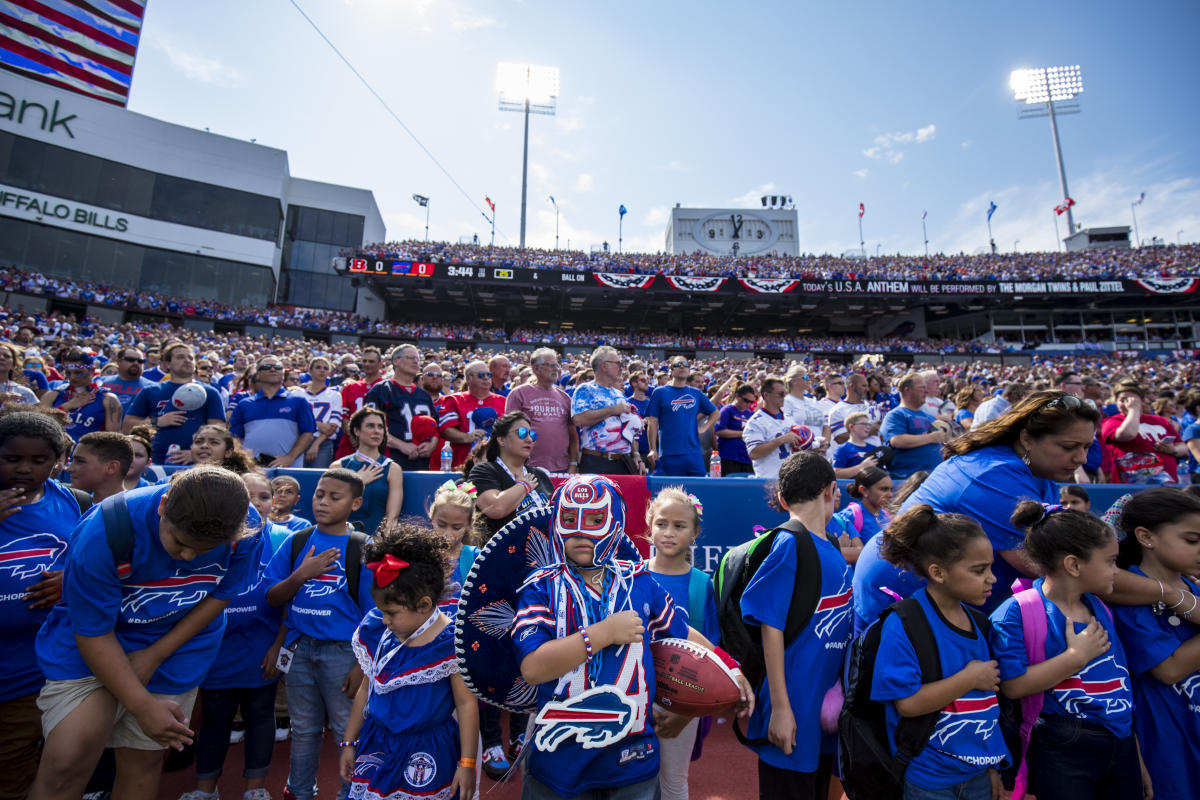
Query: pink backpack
1033, 627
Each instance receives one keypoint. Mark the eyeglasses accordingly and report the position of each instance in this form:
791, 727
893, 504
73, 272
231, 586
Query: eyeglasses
610, 362
270, 366
526, 433
133, 360
431, 374
679, 365
482, 375
1067, 402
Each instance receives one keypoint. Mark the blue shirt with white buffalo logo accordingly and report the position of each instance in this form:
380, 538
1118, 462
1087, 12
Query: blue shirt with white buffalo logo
322, 608
154, 401
32, 540
676, 410
140, 600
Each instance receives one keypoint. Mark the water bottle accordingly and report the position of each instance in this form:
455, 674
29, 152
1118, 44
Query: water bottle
447, 457
714, 466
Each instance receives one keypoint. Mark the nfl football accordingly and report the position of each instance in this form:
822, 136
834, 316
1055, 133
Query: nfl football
806, 438
691, 680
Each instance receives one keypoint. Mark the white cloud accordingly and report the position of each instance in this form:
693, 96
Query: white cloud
675, 166
198, 66
886, 145
860, 173
967, 144
754, 196
657, 216
463, 22
585, 182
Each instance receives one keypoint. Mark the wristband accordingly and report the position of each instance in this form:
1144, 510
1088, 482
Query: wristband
467, 763
348, 744
587, 642
726, 659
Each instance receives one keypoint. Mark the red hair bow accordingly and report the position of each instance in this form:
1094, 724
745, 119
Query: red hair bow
387, 569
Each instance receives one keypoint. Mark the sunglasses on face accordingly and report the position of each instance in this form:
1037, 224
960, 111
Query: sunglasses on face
526, 433
270, 366
133, 360
481, 375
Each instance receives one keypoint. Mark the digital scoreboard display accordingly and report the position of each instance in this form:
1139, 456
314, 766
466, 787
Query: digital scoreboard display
389, 266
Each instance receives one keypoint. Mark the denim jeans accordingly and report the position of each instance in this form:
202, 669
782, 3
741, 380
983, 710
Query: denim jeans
977, 788
324, 456
212, 741
1072, 759
533, 789
314, 691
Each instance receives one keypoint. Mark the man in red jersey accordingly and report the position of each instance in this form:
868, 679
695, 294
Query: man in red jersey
355, 392
401, 400
466, 418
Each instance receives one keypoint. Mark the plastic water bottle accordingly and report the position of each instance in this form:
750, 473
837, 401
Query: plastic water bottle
447, 457
714, 466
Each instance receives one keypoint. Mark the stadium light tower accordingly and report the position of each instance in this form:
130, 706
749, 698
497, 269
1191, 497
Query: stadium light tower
1048, 92
532, 90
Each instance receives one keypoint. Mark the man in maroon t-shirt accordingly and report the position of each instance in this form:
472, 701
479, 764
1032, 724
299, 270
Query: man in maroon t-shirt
549, 408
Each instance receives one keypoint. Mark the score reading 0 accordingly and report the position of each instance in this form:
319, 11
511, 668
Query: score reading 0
370, 266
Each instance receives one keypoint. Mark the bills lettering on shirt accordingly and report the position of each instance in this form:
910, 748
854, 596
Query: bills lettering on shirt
85, 419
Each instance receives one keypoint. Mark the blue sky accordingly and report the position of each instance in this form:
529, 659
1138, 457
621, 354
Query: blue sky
904, 106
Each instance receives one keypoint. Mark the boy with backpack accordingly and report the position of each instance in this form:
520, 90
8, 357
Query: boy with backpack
795, 756
319, 571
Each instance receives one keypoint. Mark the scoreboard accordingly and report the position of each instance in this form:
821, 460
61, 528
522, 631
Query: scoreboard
389, 266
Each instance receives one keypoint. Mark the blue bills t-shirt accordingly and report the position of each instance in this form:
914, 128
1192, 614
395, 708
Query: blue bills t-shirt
1101, 692
904, 421
322, 608
813, 660
732, 448
32, 540
966, 738
676, 410
154, 401
878, 583
987, 485
572, 768
141, 600
1167, 722
123, 389
677, 586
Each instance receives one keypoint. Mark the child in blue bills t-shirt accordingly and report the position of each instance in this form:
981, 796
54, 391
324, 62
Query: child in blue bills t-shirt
322, 616
138, 628
798, 760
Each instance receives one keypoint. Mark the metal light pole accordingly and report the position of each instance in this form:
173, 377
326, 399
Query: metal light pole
1015, 243
529, 90
423, 201
877, 246
555, 204
1048, 92
925, 233
1133, 210
1179, 236
862, 243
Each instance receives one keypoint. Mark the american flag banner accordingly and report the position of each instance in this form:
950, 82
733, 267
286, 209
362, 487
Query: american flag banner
84, 46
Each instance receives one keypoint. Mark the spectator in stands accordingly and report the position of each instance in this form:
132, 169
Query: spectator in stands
129, 379
499, 367
326, 404
33, 367
549, 410
909, 430
433, 379
768, 433
639, 397
401, 399
852, 456
997, 404
607, 428
672, 417
174, 427
89, 408
13, 386
730, 424
466, 418
799, 406
966, 402
1145, 448
355, 392
505, 482
935, 405
275, 426
835, 390
153, 370
239, 362
383, 481
855, 401
99, 463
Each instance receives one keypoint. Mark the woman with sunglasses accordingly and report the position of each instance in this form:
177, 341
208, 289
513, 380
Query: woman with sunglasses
1021, 455
506, 484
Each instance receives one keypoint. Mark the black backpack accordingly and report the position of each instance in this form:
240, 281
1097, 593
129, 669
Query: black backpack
869, 770
354, 548
742, 640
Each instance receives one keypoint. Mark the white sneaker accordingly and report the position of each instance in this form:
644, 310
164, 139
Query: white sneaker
196, 794
281, 734
235, 736
257, 794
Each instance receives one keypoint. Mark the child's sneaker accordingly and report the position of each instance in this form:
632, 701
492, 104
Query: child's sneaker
514, 747
237, 733
257, 794
495, 763
283, 728
196, 794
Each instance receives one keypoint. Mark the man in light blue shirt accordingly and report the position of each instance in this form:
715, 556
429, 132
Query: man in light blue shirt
275, 426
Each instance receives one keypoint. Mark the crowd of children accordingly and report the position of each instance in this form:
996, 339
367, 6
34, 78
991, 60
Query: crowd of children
126, 603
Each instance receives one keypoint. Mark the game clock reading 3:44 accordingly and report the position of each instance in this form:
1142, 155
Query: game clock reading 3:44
369, 266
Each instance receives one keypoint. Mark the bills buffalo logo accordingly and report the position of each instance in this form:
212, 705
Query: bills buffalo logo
483, 418
595, 718
181, 590
832, 611
693, 284
324, 585
682, 403
769, 285
1103, 684
1190, 689
619, 281
1169, 285
30, 556
975, 715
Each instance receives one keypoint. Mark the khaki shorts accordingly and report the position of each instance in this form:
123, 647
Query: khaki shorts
59, 698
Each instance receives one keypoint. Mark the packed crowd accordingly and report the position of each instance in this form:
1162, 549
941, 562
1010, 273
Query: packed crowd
1168, 261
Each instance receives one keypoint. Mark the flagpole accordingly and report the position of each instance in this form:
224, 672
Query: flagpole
991, 240
620, 230
862, 244
925, 234
1057, 242
427, 220
1136, 237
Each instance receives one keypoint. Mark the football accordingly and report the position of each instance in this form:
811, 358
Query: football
691, 680
188, 397
805, 435
943, 426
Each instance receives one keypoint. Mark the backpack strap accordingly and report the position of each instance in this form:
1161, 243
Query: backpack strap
1033, 630
299, 540
912, 733
118, 530
806, 592
697, 594
82, 499
856, 517
354, 547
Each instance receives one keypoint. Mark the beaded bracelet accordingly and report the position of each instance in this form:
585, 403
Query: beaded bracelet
348, 744
587, 642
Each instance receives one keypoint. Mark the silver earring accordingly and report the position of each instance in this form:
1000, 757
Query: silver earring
1025, 458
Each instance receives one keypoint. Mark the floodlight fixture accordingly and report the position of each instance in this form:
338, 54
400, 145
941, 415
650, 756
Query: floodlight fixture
1049, 91
532, 90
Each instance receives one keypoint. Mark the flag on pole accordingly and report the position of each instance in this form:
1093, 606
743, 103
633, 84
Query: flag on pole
491, 205
991, 210
421, 200
552, 200
862, 209
1141, 197
1062, 207
622, 210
